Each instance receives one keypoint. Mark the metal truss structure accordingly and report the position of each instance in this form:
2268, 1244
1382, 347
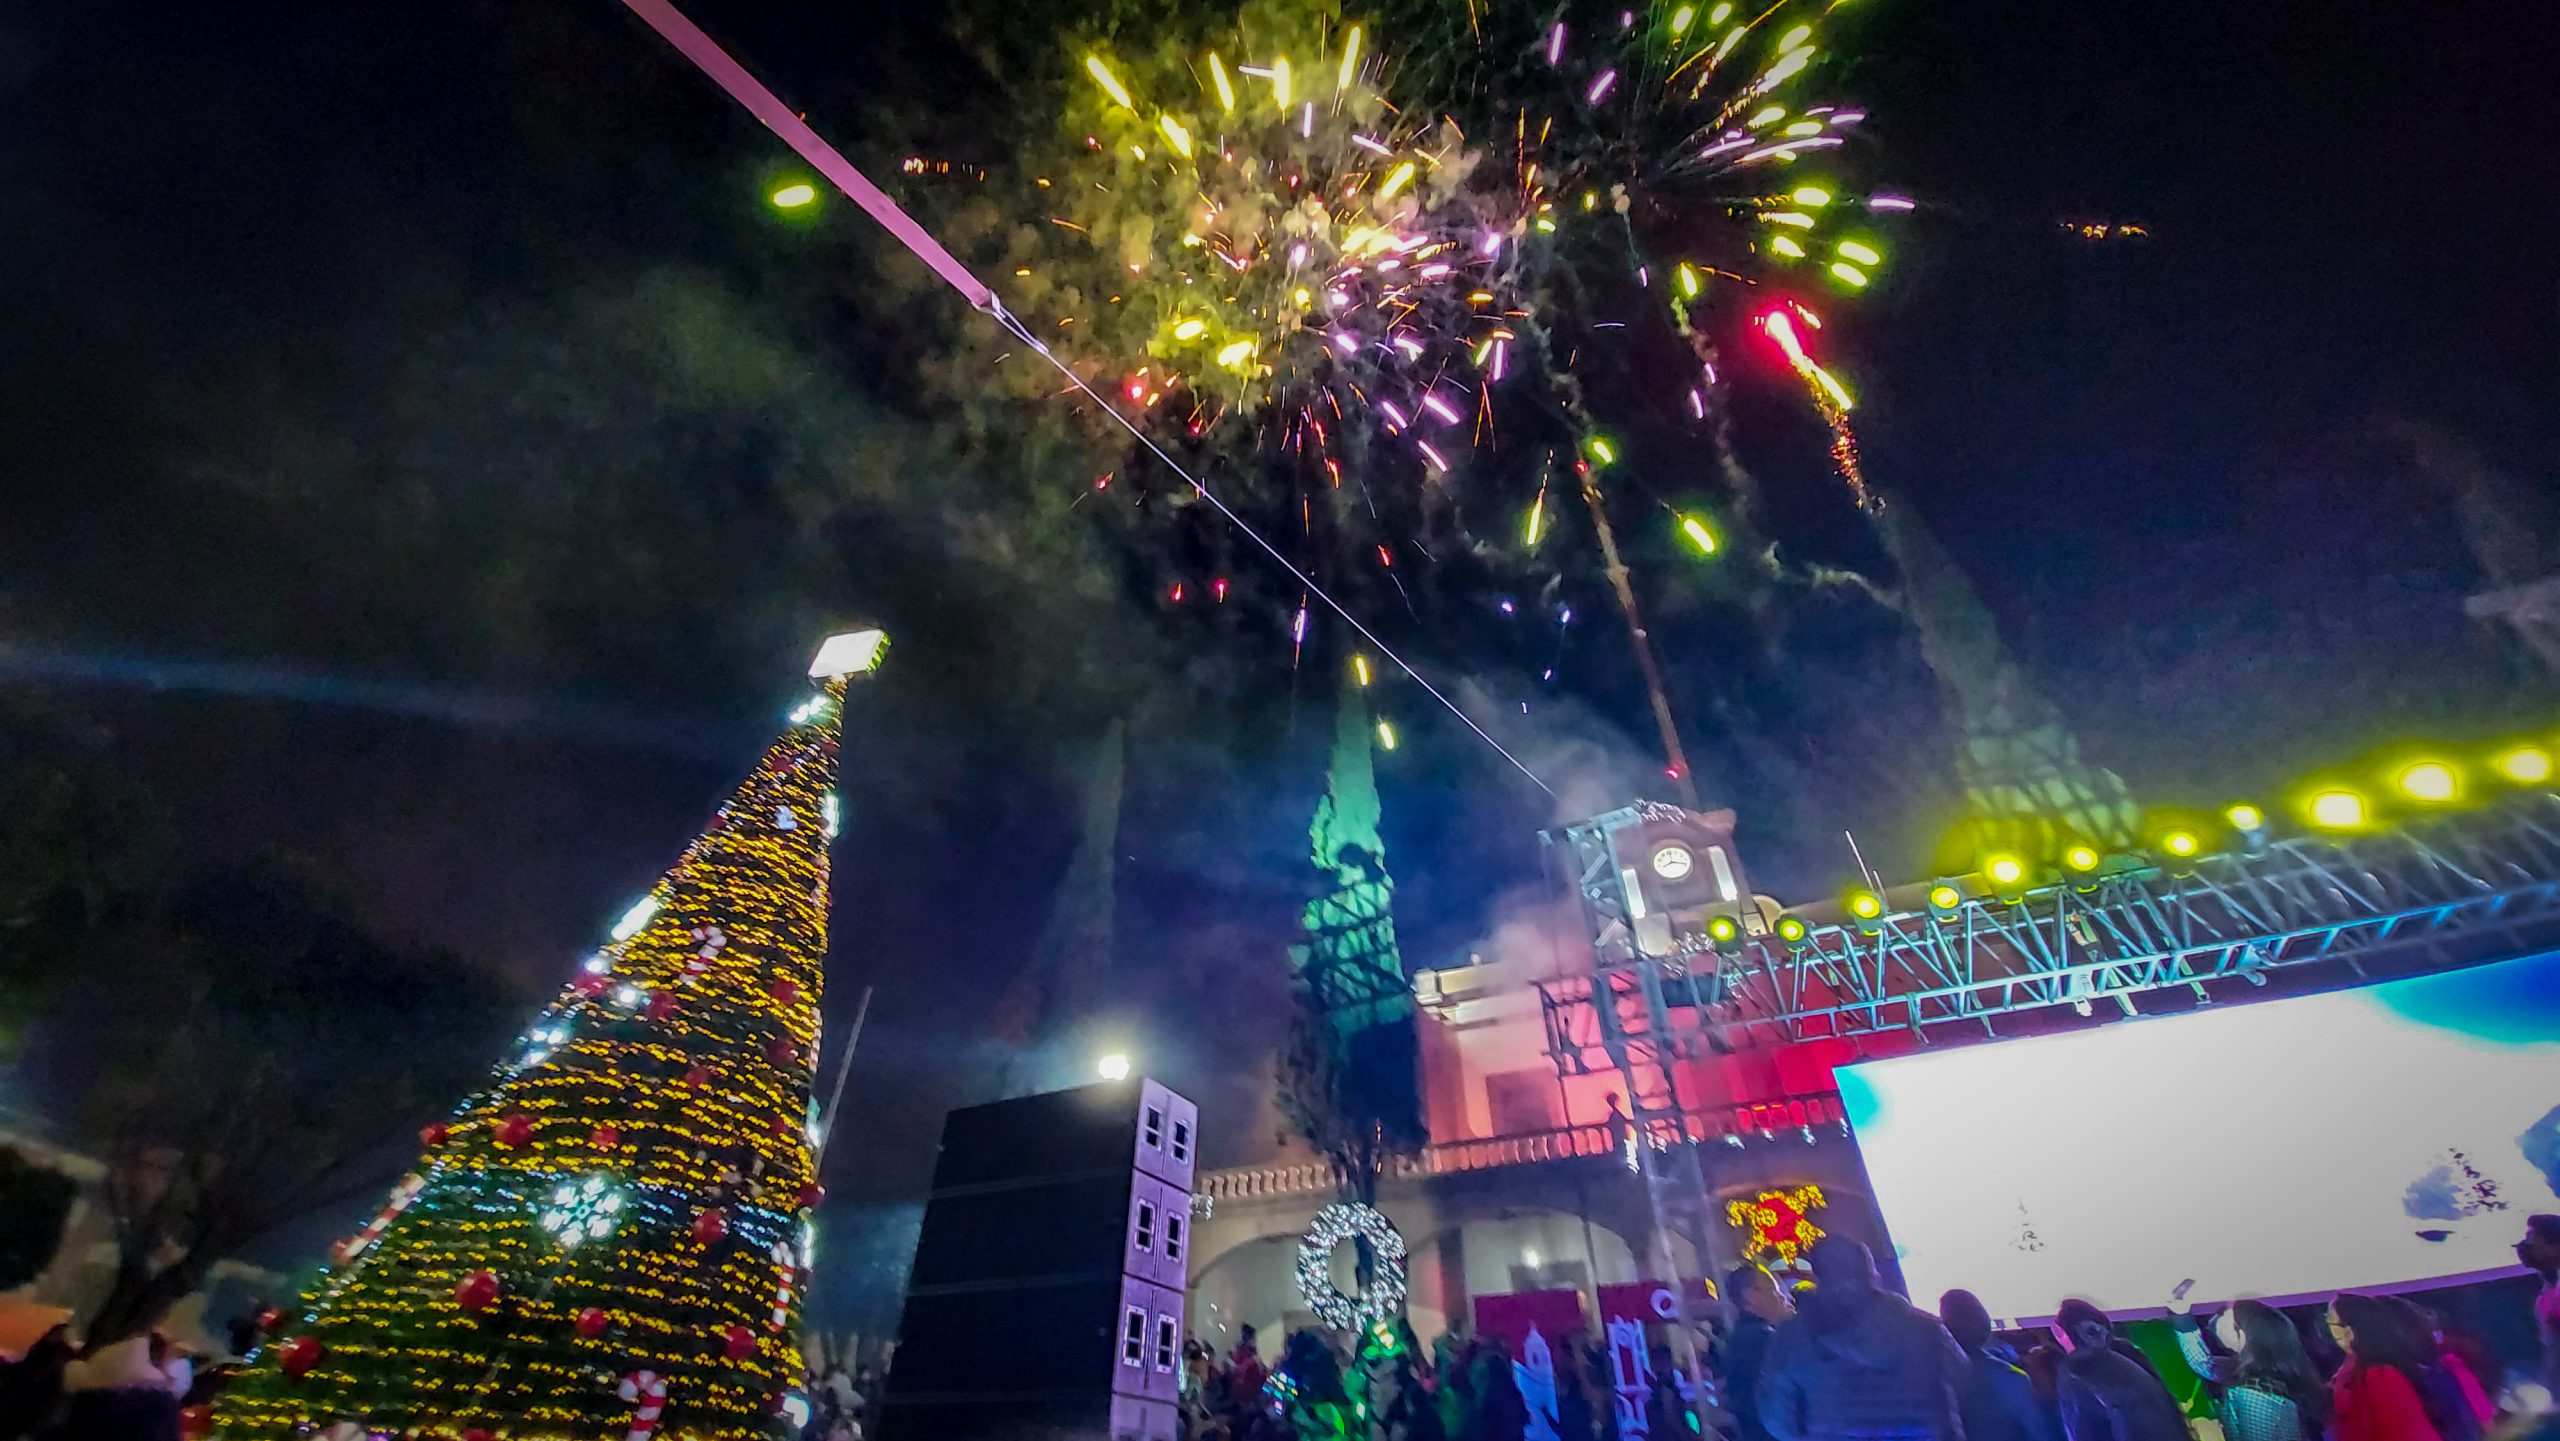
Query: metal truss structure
2434, 893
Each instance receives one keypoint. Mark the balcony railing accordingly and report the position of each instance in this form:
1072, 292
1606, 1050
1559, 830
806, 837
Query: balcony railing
1567, 1143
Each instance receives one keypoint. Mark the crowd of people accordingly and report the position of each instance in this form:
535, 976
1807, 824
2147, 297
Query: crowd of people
1837, 1358
843, 1405
1841, 1357
129, 1390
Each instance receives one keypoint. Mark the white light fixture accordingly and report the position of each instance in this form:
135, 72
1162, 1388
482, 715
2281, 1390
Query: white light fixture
1673, 862
1114, 1067
636, 917
852, 653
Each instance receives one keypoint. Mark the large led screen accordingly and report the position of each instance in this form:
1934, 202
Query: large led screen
2376, 1137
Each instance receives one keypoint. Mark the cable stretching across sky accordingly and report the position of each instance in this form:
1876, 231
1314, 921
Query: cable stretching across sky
760, 101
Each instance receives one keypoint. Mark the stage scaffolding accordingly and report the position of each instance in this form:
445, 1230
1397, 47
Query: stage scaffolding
2430, 893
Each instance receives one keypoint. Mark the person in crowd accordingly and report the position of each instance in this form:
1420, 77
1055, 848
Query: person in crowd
1665, 1412
2540, 1252
1502, 1413
31, 1386
2267, 1390
2104, 1394
1575, 1408
121, 1392
1760, 1307
2379, 1394
1998, 1402
1859, 1363
1246, 1373
2452, 1394
2043, 1365
1457, 1385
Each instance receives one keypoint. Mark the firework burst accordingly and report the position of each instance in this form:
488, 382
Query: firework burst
1300, 257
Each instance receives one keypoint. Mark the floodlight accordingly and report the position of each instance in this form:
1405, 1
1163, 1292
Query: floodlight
2526, 765
856, 652
1866, 910
2431, 781
2339, 810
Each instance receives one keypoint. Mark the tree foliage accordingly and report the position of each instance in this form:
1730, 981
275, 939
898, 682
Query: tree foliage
35, 1203
238, 1052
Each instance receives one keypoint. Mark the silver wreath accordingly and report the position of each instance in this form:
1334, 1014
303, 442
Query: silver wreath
1383, 1298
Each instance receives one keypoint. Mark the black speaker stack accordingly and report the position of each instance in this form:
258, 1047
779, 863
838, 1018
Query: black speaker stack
1046, 1303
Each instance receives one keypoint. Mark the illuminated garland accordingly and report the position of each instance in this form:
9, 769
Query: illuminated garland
1777, 1225
628, 1194
1383, 1298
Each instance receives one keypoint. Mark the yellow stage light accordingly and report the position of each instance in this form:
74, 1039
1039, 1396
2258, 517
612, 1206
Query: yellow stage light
2526, 765
2428, 781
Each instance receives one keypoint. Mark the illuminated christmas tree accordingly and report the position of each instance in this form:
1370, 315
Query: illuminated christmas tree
611, 1238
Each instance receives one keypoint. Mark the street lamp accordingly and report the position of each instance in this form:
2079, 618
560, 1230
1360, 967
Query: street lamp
1114, 1067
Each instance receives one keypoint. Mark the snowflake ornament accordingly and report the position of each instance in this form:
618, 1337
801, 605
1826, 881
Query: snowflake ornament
583, 1211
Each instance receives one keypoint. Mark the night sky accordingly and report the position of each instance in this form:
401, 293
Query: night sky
426, 453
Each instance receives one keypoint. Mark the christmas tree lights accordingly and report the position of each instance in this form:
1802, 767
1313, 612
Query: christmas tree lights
619, 1220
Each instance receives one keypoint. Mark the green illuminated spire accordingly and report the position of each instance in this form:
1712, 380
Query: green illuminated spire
1350, 1075
2026, 785
1349, 958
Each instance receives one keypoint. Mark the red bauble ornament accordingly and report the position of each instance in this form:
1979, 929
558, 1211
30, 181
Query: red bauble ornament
477, 1291
811, 1195
435, 1135
475, 1433
738, 1343
592, 985
592, 1321
784, 989
606, 1136
196, 1421
300, 1354
783, 1051
698, 1076
269, 1319
662, 1006
515, 1130
711, 1226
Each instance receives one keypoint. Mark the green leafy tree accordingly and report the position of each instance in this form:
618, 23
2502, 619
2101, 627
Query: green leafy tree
35, 1203
235, 1053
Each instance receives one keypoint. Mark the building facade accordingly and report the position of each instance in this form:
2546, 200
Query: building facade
1527, 1184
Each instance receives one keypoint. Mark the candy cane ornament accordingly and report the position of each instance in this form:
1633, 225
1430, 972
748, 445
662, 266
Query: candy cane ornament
708, 940
790, 1268
649, 1390
401, 1196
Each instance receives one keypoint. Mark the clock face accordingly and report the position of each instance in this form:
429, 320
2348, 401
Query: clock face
1672, 862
